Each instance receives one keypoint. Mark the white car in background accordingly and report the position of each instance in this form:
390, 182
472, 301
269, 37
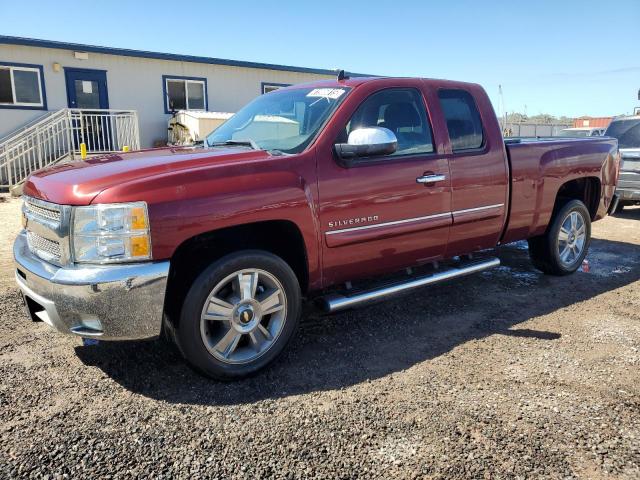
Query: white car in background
582, 132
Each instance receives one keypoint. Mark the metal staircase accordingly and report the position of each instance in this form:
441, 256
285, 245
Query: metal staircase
58, 136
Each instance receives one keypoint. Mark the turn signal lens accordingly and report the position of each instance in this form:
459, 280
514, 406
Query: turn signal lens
140, 246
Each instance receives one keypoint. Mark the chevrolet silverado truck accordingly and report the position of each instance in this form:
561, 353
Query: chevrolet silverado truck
311, 191
627, 131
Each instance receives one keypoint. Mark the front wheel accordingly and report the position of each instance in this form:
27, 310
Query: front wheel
561, 250
239, 314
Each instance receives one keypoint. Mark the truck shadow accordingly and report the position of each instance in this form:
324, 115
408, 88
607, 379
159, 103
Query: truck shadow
630, 213
334, 352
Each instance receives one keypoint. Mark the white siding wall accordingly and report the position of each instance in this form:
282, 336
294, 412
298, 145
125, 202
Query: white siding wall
136, 83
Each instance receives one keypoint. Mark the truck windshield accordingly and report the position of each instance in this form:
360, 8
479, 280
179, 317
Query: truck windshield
627, 132
284, 121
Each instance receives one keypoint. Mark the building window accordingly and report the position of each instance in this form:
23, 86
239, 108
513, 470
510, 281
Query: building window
272, 87
22, 86
184, 93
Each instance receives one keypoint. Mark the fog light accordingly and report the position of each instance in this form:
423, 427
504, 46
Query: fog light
92, 324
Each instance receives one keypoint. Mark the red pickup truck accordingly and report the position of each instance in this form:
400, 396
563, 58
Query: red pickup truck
303, 193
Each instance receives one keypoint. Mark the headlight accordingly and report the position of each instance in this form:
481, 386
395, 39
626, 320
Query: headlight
111, 233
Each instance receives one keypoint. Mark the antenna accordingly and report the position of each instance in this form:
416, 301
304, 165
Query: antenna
343, 76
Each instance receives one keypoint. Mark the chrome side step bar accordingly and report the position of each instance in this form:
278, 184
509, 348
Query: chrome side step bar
335, 301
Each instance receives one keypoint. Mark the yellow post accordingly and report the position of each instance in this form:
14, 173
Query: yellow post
125, 148
83, 151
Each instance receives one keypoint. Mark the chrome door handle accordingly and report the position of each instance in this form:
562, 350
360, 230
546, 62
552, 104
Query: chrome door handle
430, 178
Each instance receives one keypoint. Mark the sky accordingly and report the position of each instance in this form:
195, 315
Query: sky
559, 57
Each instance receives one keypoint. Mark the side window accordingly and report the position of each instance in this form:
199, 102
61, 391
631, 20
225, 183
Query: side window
184, 93
402, 111
21, 86
272, 87
463, 119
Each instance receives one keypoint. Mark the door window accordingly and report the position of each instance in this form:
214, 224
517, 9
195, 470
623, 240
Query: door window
87, 93
463, 119
402, 111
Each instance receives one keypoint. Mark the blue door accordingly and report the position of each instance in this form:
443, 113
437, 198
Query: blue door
87, 92
86, 89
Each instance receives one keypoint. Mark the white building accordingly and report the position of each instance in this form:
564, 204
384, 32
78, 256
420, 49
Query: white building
39, 76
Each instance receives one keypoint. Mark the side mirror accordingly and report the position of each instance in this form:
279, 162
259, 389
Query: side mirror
367, 142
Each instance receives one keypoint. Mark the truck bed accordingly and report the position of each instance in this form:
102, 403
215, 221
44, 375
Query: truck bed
539, 167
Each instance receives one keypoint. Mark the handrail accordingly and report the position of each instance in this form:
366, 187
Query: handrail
57, 136
32, 124
27, 125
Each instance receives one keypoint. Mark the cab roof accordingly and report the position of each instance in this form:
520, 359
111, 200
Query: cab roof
355, 82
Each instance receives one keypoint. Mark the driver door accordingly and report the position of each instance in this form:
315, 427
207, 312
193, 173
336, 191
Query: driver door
381, 214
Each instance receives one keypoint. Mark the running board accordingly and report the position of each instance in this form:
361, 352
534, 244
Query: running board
335, 302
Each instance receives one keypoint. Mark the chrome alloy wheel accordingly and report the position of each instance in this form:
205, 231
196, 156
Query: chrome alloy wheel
571, 238
243, 316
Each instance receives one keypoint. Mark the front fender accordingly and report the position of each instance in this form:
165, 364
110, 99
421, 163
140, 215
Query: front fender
185, 204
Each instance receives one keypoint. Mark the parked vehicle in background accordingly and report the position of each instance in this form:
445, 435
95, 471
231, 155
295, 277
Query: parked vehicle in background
627, 131
304, 192
578, 132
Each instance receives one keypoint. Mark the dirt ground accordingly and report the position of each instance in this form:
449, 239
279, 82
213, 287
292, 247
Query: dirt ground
506, 374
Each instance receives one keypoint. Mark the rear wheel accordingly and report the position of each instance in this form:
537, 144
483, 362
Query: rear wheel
239, 314
561, 250
619, 208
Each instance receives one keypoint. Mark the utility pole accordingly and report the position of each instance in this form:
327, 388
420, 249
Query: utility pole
503, 111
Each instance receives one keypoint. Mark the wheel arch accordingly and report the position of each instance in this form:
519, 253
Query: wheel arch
585, 189
279, 237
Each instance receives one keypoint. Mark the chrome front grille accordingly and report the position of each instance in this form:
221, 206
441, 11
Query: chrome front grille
43, 247
47, 227
41, 210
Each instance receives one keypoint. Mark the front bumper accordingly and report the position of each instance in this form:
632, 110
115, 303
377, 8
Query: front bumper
110, 302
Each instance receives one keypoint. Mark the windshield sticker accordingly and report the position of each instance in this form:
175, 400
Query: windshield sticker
326, 93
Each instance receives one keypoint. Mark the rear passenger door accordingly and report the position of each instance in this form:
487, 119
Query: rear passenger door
479, 174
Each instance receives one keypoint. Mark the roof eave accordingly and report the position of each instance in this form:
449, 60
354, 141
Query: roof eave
34, 42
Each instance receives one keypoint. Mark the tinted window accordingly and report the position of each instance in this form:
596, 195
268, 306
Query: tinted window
20, 86
185, 94
177, 96
626, 131
6, 91
195, 94
402, 111
27, 85
463, 119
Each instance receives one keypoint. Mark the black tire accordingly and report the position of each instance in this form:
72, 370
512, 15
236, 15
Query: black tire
543, 250
188, 336
619, 208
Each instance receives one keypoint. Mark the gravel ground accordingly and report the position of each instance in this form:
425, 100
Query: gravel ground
506, 374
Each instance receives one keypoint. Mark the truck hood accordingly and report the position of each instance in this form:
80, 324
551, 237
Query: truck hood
78, 183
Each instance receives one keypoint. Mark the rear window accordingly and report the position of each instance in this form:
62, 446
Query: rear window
463, 119
626, 131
